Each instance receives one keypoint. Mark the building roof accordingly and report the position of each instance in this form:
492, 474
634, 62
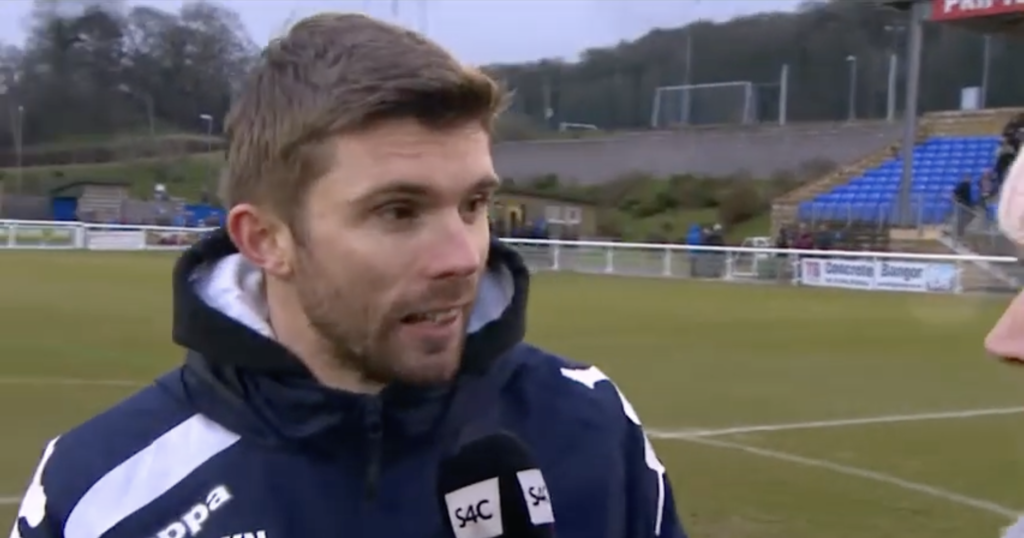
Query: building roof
73, 187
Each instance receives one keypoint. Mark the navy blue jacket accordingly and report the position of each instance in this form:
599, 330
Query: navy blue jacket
241, 441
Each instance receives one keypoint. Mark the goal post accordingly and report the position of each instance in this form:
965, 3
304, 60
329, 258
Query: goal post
737, 102
704, 104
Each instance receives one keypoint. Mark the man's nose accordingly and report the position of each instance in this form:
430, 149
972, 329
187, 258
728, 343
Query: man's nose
458, 252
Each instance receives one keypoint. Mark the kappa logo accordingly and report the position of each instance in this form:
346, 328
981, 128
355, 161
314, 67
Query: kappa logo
192, 521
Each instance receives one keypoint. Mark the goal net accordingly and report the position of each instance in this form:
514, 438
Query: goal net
705, 104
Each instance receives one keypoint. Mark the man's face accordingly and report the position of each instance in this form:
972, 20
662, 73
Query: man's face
393, 242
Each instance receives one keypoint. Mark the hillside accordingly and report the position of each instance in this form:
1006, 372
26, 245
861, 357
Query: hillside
184, 176
635, 207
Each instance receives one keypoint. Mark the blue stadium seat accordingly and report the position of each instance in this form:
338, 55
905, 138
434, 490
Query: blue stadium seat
938, 164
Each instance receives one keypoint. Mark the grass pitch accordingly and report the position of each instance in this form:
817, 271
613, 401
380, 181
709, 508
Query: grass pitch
695, 359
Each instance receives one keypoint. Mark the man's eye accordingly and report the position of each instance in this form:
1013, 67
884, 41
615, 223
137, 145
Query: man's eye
478, 204
399, 212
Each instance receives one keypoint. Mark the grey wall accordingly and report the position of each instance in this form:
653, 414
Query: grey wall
25, 207
715, 151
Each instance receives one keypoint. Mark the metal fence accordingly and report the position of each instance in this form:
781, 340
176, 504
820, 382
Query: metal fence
859, 270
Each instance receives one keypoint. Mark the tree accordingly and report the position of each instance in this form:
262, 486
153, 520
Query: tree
93, 68
98, 68
613, 87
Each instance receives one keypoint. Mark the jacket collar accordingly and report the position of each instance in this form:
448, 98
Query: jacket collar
237, 374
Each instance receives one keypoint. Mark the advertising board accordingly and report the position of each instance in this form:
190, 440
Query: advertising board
116, 240
884, 275
954, 10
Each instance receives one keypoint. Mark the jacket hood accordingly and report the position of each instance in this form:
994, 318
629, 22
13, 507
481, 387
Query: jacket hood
236, 373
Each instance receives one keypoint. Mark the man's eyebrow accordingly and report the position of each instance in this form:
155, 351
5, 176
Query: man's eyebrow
408, 188
415, 189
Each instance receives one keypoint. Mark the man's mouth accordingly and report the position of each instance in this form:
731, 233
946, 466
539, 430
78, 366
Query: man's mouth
443, 316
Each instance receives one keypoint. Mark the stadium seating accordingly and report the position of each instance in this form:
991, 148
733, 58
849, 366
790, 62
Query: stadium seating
939, 163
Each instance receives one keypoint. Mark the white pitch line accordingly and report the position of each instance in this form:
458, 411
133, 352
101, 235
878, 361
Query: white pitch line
885, 419
69, 381
939, 493
702, 437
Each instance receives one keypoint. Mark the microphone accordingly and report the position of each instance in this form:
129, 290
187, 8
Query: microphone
491, 488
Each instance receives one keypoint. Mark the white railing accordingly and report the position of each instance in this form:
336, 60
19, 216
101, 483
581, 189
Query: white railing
62, 235
884, 271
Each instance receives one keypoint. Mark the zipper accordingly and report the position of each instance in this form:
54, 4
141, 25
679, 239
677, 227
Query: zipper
374, 442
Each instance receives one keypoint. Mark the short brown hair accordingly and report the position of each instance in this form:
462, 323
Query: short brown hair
333, 74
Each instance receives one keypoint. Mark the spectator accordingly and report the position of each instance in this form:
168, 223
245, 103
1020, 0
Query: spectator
709, 264
1008, 150
804, 240
1013, 132
714, 237
1005, 156
695, 235
782, 239
963, 203
824, 239
782, 242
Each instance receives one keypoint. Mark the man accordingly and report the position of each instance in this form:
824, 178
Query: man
337, 327
1005, 156
963, 205
782, 241
824, 239
1007, 152
1012, 131
804, 238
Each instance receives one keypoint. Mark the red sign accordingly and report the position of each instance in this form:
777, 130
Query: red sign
951, 10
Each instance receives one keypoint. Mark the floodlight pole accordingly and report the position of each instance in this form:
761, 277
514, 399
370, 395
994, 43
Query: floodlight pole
783, 94
208, 120
19, 147
687, 77
896, 31
851, 92
915, 30
986, 65
890, 94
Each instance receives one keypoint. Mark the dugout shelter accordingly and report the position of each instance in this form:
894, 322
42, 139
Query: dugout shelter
91, 201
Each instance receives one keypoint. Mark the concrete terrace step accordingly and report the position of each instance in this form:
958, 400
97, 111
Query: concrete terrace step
967, 122
974, 277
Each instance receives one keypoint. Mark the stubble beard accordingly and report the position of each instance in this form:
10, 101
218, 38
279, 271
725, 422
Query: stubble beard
365, 345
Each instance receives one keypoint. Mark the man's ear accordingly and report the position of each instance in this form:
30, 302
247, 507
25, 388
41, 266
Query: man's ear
263, 238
